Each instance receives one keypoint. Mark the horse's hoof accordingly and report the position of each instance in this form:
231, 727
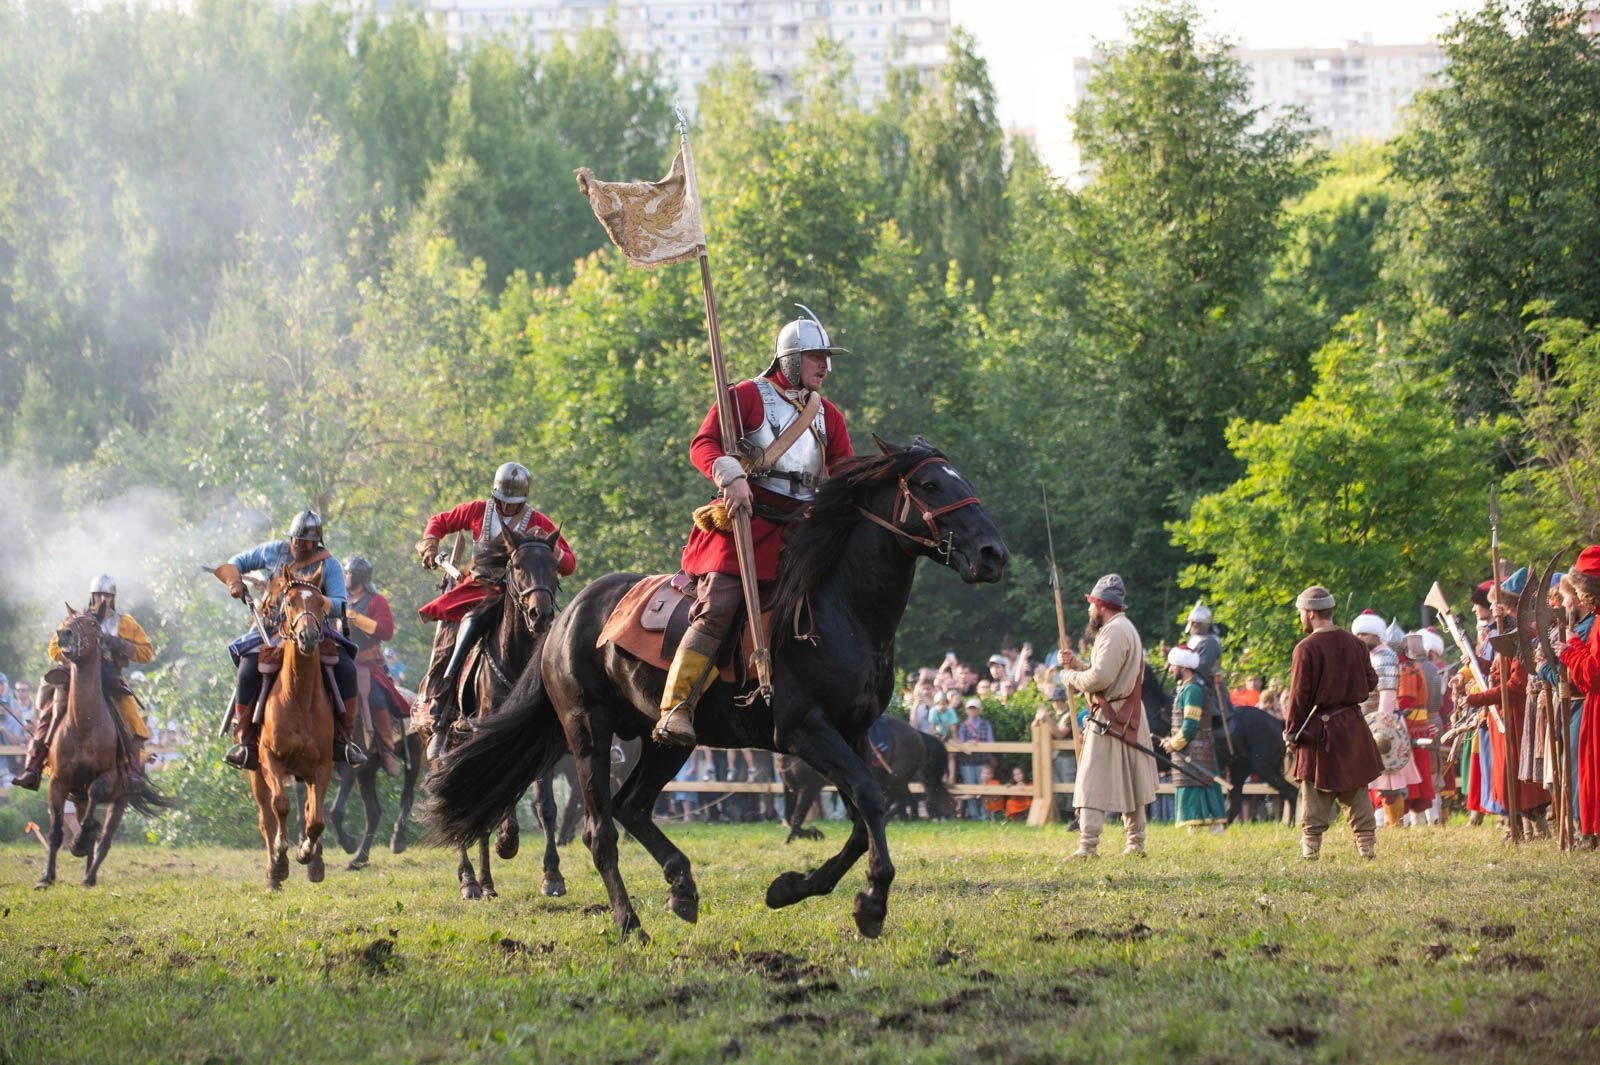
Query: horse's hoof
488, 890
553, 887
44, 885
471, 892
632, 929
869, 915
684, 907
274, 885
279, 870
786, 890
315, 869
809, 833
357, 864
90, 880
397, 842
507, 843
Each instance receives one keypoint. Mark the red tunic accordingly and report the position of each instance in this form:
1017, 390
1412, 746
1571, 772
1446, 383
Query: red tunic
1530, 793
1582, 659
713, 552
459, 601
1414, 705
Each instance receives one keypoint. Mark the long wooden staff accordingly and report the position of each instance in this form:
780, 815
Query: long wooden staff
1503, 669
1062, 644
744, 544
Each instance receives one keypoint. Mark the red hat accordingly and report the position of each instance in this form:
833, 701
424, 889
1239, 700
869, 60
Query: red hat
1588, 561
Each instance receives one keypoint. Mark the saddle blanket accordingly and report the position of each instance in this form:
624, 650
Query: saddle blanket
650, 620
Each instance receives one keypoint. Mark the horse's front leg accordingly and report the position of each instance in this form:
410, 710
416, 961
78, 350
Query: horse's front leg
599, 830
309, 853
347, 779
267, 813
827, 752
636, 802
544, 804
471, 890
487, 878
91, 875
408, 790
88, 828
373, 811
58, 832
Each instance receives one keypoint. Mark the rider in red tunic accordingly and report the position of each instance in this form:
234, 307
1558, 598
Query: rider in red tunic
771, 477
457, 610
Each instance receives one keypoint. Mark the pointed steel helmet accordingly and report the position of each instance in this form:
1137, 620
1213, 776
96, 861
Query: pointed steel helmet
511, 483
1394, 635
357, 571
103, 585
307, 525
795, 339
1200, 613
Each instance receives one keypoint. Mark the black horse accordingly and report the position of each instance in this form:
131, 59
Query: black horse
1250, 745
914, 757
365, 780
518, 621
842, 588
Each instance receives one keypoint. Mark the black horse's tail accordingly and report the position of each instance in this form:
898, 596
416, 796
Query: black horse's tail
935, 771
148, 801
480, 780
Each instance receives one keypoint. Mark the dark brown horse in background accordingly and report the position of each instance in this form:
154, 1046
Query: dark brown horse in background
87, 762
843, 584
913, 758
526, 564
296, 736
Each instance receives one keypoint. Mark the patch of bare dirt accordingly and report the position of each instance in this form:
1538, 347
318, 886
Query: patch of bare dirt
377, 956
1450, 1040
1135, 932
1498, 933
513, 948
1435, 951
1296, 1035
786, 1021
1512, 962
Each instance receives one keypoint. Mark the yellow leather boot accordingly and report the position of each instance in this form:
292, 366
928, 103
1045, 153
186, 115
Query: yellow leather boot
691, 673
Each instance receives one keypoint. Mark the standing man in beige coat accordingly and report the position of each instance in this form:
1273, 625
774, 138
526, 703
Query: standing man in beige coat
1112, 775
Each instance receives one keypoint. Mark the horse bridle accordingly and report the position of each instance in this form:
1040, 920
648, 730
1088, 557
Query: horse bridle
292, 622
522, 595
904, 500
76, 627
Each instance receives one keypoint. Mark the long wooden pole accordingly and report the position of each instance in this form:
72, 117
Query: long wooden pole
1503, 664
744, 544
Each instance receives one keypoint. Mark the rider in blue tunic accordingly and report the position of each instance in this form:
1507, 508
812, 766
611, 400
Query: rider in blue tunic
300, 557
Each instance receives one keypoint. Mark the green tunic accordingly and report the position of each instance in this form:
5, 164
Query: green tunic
1191, 735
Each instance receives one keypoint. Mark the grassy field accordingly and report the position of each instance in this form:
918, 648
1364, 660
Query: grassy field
1220, 949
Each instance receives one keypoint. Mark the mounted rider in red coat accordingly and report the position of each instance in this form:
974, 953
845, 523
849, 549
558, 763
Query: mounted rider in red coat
459, 610
371, 625
790, 439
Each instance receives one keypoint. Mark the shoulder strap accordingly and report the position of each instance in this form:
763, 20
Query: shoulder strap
792, 432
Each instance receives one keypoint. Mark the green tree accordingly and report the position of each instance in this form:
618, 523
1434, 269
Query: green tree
1557, 490
1502, 206
1368, 486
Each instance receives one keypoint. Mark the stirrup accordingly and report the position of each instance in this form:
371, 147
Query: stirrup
669, 737
243, 756
349, 753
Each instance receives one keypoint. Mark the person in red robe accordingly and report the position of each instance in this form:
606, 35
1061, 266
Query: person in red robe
1581, 656
790, 440
1532, 799
459, 609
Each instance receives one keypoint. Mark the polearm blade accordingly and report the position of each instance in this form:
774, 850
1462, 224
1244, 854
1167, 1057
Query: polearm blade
743, 540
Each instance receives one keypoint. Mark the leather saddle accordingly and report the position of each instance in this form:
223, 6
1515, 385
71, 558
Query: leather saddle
649, 623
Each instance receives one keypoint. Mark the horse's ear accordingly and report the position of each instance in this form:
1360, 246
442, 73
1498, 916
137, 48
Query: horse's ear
71, 612
884, 445
554, 538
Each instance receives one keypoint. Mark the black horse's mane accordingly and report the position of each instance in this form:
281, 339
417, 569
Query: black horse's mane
818, 541
494, 556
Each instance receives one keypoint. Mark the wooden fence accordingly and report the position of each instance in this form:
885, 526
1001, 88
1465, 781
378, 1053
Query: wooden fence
1043, 789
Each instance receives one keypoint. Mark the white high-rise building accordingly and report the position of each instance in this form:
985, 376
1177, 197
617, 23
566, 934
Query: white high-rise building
1358, 92
689, 37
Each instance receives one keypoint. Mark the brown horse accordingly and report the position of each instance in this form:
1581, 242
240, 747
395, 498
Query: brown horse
85, 763
296, 737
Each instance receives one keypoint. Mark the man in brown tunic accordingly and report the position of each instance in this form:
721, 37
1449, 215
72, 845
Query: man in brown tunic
1334, 754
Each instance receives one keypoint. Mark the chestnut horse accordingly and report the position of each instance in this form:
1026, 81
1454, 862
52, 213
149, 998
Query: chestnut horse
296, 736
85, 760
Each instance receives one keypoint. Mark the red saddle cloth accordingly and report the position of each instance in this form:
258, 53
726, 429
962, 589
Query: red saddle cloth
650, 620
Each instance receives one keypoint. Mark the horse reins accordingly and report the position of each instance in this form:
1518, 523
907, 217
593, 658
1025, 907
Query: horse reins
903, 503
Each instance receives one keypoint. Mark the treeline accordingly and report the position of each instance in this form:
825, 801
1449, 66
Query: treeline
255, 259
